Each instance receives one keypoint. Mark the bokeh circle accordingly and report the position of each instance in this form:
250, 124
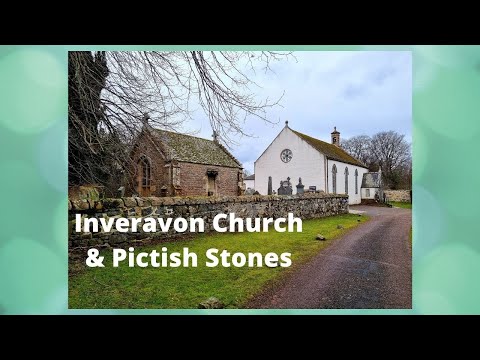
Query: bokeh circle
33, 90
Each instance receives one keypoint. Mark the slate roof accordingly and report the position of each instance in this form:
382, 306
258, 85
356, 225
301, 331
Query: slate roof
371, 180
331, 151
250, 177
193, 149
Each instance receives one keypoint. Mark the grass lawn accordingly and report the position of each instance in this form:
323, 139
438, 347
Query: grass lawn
403, 205
186, 287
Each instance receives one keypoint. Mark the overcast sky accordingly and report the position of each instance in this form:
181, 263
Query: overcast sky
358, 92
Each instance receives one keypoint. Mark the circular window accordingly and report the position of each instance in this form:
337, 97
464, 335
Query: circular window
286, 155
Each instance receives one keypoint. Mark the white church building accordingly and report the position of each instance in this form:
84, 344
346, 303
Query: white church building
320, 165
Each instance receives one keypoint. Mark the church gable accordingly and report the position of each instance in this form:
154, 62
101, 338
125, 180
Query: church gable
288, 156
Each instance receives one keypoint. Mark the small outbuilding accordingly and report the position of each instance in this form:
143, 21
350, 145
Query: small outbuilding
372, 186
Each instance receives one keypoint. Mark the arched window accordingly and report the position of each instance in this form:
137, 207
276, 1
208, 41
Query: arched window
144, 176
346, 179
356, 181
334, 178
146, 169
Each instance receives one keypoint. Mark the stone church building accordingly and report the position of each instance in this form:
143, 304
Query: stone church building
172, 164
320, 165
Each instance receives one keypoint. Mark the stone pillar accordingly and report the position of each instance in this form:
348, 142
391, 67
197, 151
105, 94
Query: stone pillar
300, 186
269, 185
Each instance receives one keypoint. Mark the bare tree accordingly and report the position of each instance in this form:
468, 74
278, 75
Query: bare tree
109, 93
391, 151
359, 148
388, 150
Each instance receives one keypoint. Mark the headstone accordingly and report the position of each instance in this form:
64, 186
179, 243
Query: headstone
249, 191
269, 185
285, 187
320, 237
300, 186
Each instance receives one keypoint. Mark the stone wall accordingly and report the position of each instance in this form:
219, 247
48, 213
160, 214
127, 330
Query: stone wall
305, 206
193, 179
398, 195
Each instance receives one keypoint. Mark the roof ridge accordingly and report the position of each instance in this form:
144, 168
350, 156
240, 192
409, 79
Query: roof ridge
333, 149
179, 133
298, 132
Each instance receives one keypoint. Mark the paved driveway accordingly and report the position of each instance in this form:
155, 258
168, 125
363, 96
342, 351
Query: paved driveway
370, 267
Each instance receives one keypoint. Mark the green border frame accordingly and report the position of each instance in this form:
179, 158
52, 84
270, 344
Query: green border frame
33, 165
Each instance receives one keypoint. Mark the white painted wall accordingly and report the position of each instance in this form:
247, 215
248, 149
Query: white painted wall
306, 163
353, 198
249, 184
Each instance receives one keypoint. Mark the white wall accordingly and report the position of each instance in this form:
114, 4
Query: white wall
249, 184
306, 163
352, 197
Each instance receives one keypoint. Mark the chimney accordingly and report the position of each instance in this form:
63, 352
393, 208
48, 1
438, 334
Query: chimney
335, 137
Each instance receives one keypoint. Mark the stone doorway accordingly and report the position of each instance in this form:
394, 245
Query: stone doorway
212, 182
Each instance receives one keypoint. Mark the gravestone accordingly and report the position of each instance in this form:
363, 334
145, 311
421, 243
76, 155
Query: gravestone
285, 187
269, 185
300, 186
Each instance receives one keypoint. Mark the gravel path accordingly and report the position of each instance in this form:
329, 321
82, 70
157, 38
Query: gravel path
370, 267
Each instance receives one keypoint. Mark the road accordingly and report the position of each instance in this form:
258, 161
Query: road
370, 267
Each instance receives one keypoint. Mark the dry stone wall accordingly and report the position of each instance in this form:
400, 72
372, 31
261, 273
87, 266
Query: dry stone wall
306, 206
398, 195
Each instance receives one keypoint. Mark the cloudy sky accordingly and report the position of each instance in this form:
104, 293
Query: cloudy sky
358, 92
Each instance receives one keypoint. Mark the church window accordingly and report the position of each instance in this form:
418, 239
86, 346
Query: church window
356, 181
334, 178
144, 176
146, 172
286, 155
346, 180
